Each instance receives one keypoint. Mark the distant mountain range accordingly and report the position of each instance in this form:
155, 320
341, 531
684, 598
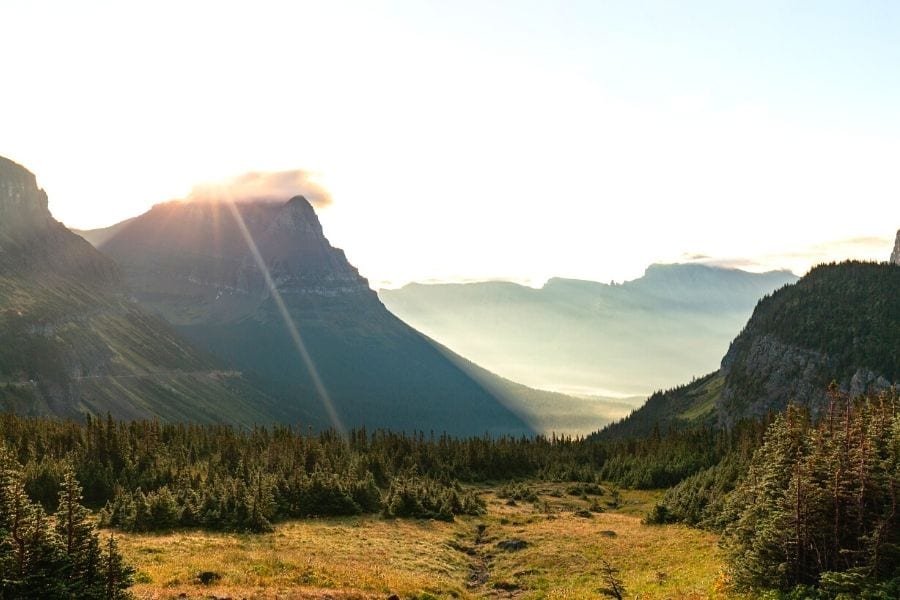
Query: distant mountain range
589, 338
840, 322
198, 266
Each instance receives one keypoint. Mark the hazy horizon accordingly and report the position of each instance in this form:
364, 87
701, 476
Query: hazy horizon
501, 141
280, 186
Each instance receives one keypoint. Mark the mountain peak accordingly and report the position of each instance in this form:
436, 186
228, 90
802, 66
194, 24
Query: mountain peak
23, 205
32, 241
895, 255
299, 201
298, 215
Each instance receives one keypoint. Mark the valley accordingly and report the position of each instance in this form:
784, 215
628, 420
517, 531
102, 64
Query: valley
434, 300
371, 557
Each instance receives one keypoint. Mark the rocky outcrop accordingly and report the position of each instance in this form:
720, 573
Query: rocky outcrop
763, 374
183, 255
838, 323
23, 205
895, 255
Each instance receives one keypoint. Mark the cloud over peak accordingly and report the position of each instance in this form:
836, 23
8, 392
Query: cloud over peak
258, 186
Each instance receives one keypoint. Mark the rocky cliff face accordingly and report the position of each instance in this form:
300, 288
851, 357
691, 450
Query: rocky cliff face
23, 205
839, 323
196, 262
895, 255
33, 243
772, 373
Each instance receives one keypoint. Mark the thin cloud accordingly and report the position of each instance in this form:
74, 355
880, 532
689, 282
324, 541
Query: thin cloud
800, 260
275, 186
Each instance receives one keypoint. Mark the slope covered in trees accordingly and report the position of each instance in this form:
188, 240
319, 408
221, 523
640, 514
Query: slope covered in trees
219, 477
815, 506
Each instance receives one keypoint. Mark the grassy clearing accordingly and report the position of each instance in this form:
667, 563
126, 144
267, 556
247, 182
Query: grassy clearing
370, 557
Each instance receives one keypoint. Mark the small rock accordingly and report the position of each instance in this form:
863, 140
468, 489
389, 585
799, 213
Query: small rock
608, 533
512, 545
208, 577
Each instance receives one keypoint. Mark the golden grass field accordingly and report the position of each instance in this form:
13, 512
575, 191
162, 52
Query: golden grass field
371, 557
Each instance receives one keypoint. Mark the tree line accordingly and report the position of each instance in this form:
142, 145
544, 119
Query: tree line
147, 475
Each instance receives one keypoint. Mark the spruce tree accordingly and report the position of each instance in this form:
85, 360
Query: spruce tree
79, 541
118, 576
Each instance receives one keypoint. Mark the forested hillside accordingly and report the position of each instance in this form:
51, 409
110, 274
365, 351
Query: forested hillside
840, 322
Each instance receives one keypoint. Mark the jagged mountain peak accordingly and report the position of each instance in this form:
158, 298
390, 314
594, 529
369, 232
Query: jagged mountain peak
212, 250
34, 244
23, 205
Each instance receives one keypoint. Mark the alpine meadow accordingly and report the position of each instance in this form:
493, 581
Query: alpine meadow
417, 300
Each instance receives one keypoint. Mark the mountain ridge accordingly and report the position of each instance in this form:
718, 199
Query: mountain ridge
73, 341
588, 337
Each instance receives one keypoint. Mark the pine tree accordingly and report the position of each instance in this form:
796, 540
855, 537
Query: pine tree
79, 541
759, 542
46, 567
117, 574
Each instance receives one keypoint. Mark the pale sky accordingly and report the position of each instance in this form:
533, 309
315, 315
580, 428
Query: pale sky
470, 140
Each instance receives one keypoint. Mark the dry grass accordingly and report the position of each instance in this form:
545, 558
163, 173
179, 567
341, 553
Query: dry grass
370, 557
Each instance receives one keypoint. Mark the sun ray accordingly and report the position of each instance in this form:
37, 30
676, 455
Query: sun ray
294, 332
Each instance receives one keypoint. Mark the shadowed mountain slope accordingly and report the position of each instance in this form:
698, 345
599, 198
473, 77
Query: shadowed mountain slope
198, 265
72, 340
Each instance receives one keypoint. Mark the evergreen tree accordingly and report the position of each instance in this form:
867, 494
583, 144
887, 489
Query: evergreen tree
117, 574
79, 541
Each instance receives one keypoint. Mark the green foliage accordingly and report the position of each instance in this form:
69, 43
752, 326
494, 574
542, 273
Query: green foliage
517, 491
818, 504
149, 476
849, 311
659, 515
411, 496
65, 560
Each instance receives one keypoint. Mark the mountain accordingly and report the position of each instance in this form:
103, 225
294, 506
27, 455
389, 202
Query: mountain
585, 337
840, 322
72, 341
258, 285
97, 237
